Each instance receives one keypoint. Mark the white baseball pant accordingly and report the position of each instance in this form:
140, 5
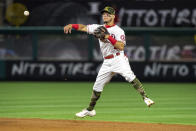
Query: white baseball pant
120, 65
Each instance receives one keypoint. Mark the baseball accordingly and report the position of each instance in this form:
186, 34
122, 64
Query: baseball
26, 13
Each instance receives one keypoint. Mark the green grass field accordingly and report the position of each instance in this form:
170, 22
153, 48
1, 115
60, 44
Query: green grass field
175, 103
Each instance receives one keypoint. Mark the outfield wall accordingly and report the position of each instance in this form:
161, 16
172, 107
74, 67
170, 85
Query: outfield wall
87, 71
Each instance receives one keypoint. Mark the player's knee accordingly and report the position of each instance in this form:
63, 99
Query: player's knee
130, 78
98, 87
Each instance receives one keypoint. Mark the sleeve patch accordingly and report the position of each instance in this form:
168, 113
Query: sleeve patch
122, 37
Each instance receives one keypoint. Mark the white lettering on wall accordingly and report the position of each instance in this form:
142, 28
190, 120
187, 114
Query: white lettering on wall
159, 17
24, 68
166, 70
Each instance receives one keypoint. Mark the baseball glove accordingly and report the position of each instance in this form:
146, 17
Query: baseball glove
100, 32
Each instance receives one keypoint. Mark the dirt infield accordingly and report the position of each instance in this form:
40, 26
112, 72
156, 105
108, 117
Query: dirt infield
79, 125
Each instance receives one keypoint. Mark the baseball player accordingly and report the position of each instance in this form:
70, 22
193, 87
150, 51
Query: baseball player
112, 41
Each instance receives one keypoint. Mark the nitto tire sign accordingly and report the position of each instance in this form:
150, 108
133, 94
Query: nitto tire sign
162, 70
87, 71
30, 69
33, 70
159, 17
170, 72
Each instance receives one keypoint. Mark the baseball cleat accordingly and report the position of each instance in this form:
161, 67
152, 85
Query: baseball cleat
85, 112
148, 101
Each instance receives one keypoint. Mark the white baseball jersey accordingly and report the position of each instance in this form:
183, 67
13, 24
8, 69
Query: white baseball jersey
107, 48
119, 64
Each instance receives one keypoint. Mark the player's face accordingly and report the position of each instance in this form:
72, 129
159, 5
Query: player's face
107, 17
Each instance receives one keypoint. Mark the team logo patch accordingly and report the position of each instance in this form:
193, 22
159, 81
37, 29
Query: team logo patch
122, 37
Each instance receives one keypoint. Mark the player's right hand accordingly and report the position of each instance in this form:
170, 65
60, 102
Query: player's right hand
67, 29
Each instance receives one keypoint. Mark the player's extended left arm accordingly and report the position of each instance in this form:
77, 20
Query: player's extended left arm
117, 44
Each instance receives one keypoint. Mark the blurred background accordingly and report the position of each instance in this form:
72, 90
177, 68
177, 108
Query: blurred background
160, 35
